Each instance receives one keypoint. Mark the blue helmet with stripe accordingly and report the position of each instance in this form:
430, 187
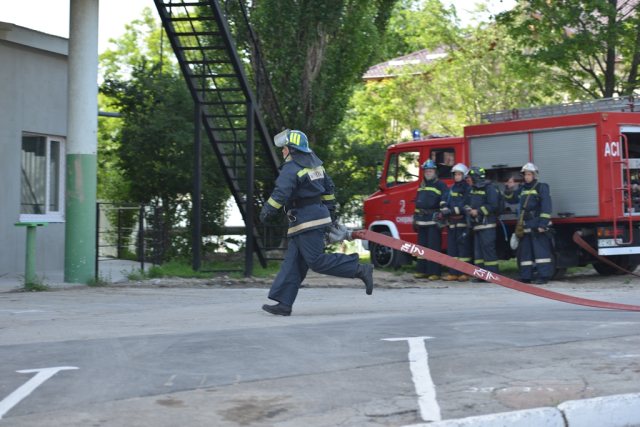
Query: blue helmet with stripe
429, 164
294, 139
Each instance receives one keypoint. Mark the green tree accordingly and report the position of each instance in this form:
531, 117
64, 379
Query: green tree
154, 148
591, 47
316, 52
147, 156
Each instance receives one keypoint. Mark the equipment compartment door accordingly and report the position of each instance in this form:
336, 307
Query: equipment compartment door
499, 151
567, 160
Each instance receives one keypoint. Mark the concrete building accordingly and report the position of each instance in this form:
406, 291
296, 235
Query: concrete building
33, 129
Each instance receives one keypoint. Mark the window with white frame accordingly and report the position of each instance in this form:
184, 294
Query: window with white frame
42, 178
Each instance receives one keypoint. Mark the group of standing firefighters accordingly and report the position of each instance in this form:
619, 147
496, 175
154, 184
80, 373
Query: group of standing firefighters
472, 203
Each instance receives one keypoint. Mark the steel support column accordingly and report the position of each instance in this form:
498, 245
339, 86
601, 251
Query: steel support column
82, 142
248, 221
197, 188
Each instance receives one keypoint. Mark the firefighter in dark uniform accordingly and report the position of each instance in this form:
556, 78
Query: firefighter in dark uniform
458, 234
483, 205
431, 197
535, 245
306, 192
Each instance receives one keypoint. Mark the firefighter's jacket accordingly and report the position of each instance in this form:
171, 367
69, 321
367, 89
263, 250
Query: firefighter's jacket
297, 184
458, 197
537, 212
432, 195
484, 198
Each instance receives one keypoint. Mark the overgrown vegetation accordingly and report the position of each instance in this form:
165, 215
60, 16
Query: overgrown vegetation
37, 284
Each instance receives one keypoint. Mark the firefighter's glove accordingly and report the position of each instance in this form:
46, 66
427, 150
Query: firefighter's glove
265, 218
446, 212
334, 218
338, 233
415, 226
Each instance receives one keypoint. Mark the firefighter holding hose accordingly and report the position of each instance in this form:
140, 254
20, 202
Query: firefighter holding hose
458, 234
306, 192
482, 207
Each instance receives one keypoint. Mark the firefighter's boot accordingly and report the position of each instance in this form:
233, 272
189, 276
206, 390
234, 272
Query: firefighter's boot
463, 278
365, 273
278, 309
420, 275
450, 277
434, 277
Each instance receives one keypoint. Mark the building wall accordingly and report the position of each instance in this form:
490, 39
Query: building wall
33, 98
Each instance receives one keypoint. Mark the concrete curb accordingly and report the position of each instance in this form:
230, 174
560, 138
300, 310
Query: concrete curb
622, 410
609, 411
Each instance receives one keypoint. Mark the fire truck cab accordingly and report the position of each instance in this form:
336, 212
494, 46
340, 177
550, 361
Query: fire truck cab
588, 152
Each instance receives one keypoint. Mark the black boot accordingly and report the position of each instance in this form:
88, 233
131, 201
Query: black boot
365, 272
279, 309
540, 281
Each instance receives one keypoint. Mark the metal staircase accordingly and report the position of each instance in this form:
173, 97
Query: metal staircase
617, 104
228, 102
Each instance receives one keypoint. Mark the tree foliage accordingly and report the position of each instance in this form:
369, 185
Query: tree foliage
316, 52
592, 47
147, 156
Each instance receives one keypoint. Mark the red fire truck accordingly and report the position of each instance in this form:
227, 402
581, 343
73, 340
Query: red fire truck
588, 152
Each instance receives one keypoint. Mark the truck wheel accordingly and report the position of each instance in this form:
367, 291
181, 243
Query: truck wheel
382, 256
605, 269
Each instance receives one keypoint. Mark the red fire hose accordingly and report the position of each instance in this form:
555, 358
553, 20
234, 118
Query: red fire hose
471, 270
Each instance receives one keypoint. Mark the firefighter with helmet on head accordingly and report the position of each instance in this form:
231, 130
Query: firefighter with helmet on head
431, 197
458, 234
306, 192
535, 245
482, 207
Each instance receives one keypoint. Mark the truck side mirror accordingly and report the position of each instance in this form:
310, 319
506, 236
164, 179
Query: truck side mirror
379, 170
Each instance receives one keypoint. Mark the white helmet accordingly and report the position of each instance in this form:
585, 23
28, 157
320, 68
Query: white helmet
530, 167
460, 167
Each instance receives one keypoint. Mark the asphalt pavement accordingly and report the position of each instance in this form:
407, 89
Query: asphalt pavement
212, 357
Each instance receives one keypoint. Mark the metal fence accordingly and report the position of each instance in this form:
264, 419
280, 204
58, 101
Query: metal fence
129, 231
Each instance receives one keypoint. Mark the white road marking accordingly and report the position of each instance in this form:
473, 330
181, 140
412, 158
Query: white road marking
25, 389
419, 365
624, 355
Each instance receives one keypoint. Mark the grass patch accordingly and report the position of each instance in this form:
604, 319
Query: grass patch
100, 281
184, 268
509, 266
36, 285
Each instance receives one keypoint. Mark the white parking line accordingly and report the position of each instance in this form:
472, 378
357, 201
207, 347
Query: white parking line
419, 365
25, 389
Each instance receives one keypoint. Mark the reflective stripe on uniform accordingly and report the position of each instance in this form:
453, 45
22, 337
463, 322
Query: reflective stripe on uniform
274, 203
484, 210
309, 224
491, 263
425, 223
456, 210
314, 173
482, 227
478, 261
459, 224
465, 259
435, 190
526, 192
545, 215
526, 263
543, 260
328, 197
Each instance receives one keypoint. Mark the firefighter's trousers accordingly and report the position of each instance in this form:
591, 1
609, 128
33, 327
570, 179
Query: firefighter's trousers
535, 249
429, 236
306, 251
458, 250
484, 248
